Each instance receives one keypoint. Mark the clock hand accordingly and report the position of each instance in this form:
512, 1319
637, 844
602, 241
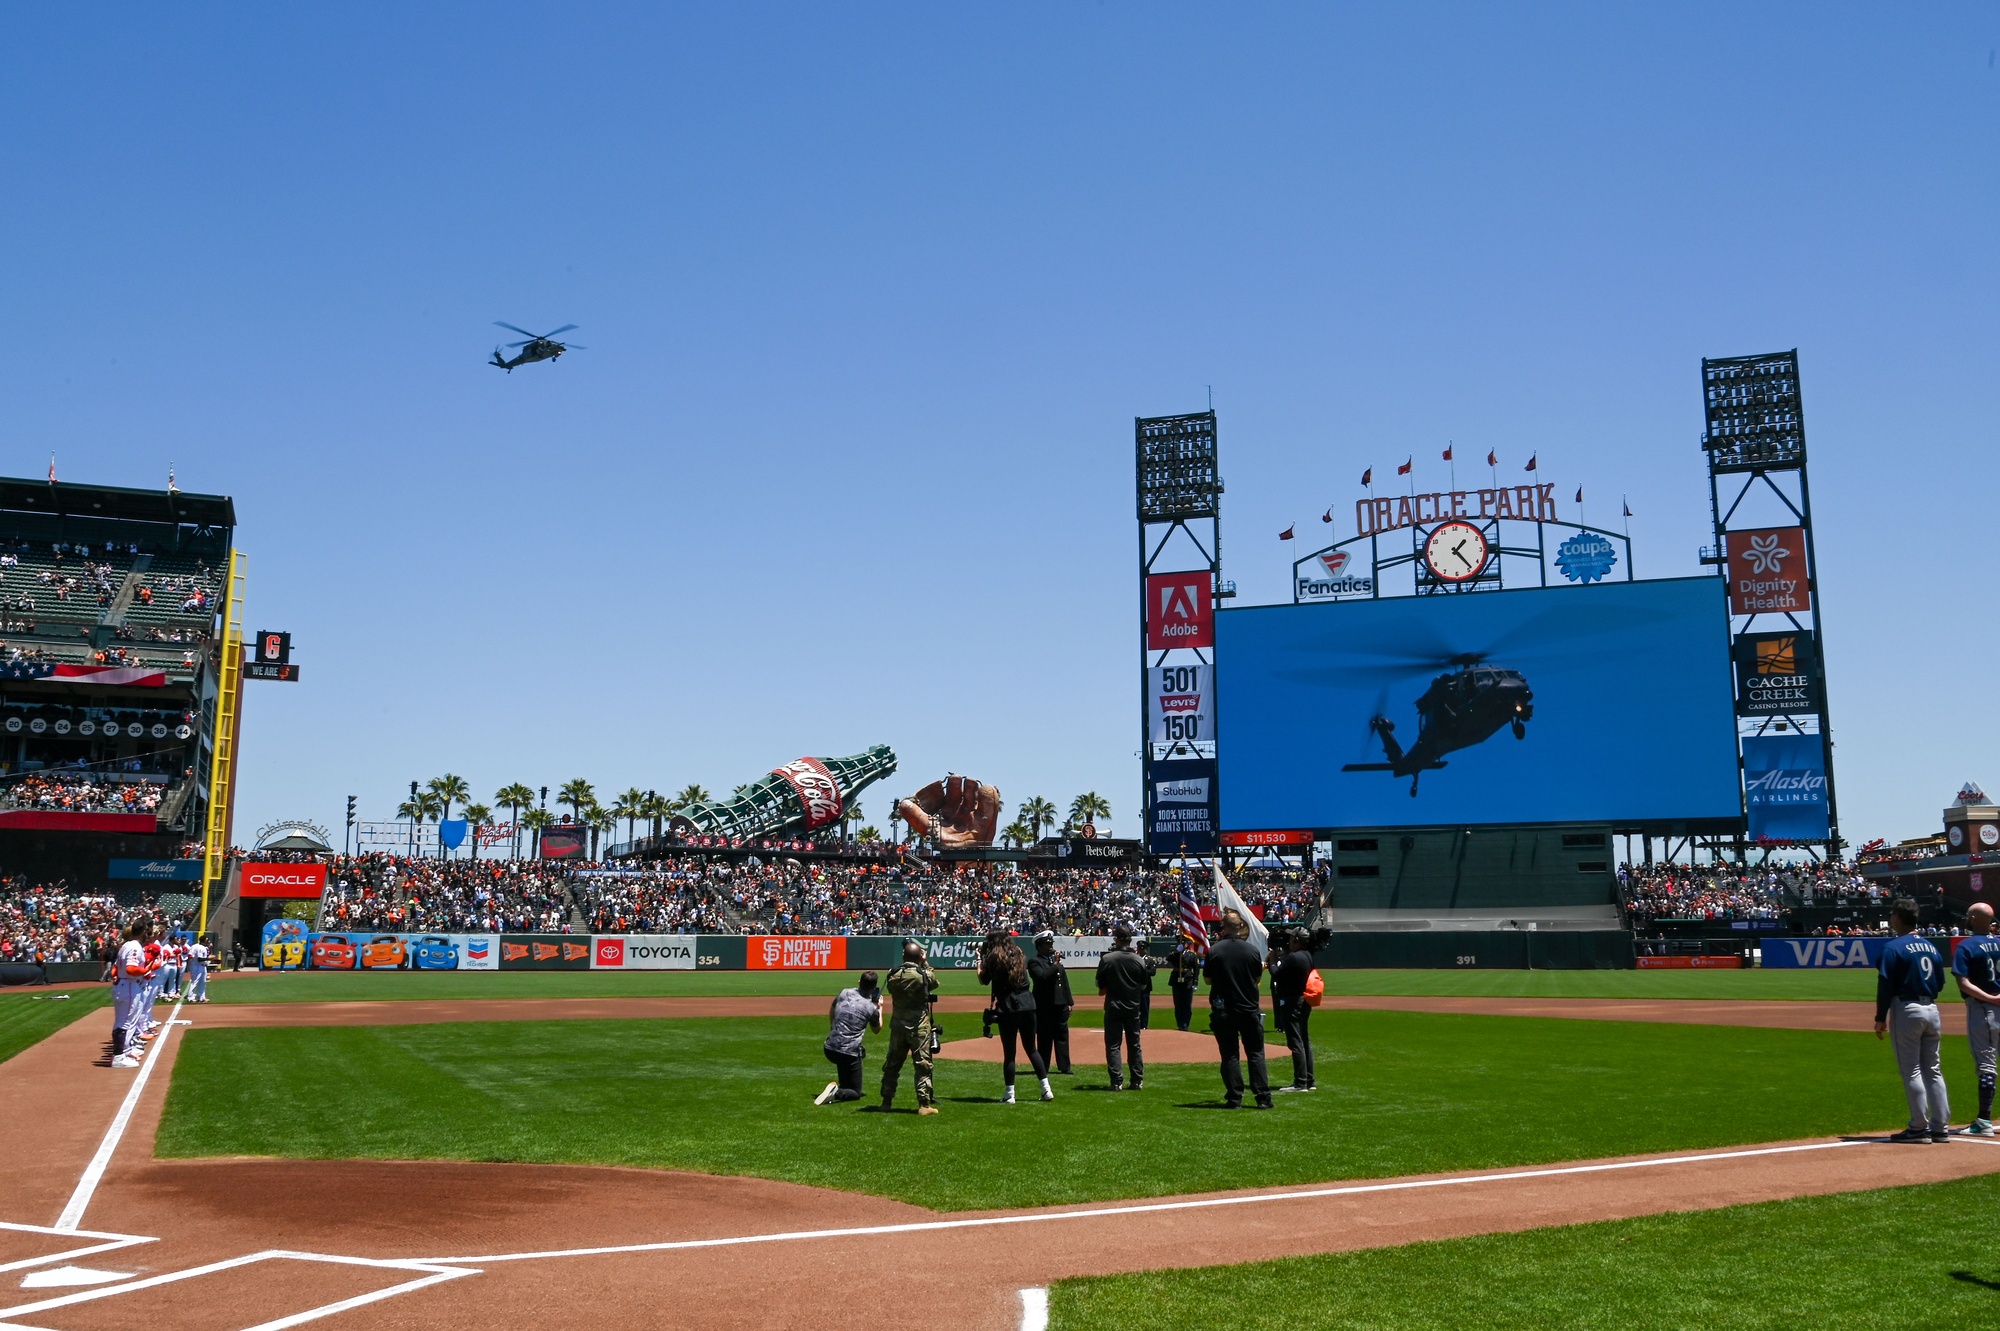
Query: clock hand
1459, 550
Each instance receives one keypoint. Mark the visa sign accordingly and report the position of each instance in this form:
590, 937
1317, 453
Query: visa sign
1821, 953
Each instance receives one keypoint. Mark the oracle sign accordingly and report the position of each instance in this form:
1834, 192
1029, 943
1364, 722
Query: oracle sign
300, 881
1179, 610
817, 790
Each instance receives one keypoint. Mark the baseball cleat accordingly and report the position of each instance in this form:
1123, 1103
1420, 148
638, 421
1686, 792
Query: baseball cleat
1911, 1135
926, 1110
826, 1094
1979, 1127
124, 1061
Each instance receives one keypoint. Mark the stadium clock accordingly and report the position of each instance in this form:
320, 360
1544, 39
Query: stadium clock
1455, 552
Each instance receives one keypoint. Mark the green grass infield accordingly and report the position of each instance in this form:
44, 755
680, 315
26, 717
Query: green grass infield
376, 986
1890, 1259
29, 1018
1402, 1093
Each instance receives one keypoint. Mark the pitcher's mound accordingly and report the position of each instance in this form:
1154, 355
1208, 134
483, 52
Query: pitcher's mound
1086, 1046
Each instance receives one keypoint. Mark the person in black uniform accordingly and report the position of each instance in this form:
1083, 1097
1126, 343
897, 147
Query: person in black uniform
1184, 977
1002, 966
1232, 970
1050, 980
1126, 981
1288, 1005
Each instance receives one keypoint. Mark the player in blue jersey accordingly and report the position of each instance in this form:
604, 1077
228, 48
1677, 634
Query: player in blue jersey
1906, 988
1976, 967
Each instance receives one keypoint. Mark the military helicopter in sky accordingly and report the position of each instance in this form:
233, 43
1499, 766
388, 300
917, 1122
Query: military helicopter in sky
538, 346
1464, 706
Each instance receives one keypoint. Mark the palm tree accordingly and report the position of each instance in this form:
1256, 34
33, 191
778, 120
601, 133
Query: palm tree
1036, 813
476, 815
691, 794
516, 797
599, 819
447, 788
1017, 833
578, 794
420, 807
631, 806
535, 820
1089, 807
658, 808
850, 812
867, 836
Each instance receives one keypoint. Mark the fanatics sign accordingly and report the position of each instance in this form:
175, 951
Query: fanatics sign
1767, 571
1180, 611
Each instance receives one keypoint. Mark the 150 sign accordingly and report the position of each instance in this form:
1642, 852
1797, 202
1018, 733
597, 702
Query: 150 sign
1181, 701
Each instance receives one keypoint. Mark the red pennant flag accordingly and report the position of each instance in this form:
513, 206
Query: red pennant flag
1326, 516
1404, 470
1492, 459
1368, 477
1531, 461
1579, 494
1285, 535
1447, 452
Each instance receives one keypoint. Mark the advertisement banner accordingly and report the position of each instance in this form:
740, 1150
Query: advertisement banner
1083, 852
1296, 838
1180, 611
1820, 953
1776, 674
1181, 701
300, 882
565, 843
545, 952
157, 871
1180, 810
642, 952
818, 792
1767, 571
1080, 953
786, 952
951, 952
1604, 702
1331, 574
1784, 777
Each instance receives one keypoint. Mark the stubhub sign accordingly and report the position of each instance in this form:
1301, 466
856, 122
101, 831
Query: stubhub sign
1820, 953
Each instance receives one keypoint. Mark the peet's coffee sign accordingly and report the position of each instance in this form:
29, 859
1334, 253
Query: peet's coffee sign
1777, 674
1517, 503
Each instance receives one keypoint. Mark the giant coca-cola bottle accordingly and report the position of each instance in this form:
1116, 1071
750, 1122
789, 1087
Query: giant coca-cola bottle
798, 799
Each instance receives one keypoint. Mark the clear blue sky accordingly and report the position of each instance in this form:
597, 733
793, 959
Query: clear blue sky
871, 296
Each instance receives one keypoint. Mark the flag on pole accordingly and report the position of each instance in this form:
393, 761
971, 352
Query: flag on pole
1192, 929
1326, 516
1532, 458
1492, 458
1286, 534
1628, 508
1579, 494
1404, 470
1447, 452
1226, 899
1368, 476
52, 469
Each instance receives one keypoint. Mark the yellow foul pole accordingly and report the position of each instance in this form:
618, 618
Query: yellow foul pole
222, 765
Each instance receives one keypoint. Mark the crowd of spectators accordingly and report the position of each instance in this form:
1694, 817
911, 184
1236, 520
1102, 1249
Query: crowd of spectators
1723, 891
392, 893
81, 792
49, 923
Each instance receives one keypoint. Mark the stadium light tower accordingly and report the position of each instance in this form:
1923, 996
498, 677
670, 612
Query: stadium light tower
1761, 505
1180, 579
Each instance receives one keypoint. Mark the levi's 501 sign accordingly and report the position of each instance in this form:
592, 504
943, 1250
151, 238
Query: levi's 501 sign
1179, 610
1182, 703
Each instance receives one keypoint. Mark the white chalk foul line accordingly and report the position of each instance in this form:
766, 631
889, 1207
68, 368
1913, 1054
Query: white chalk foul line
431, 1273
93, 1174
1144, 1208
105, 1243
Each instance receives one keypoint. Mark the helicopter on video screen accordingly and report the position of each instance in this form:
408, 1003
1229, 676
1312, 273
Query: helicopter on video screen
1464, 706
538, 346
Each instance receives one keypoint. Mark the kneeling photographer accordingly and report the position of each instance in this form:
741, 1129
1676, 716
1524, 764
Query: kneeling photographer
853, 1014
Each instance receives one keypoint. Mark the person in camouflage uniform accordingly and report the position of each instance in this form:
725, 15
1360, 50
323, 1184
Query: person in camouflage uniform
910, 987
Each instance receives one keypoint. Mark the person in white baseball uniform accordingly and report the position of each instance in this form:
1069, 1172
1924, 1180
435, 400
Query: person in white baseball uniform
197, 962
127, 987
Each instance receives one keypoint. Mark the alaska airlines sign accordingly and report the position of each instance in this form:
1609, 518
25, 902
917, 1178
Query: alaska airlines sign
1518, 503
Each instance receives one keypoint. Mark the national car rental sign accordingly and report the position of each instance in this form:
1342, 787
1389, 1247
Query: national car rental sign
1179, 611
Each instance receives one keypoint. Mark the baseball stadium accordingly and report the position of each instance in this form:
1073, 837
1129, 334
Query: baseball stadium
781, 815
472, 1070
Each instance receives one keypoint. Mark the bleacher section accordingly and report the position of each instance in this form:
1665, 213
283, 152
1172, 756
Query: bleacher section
102, 604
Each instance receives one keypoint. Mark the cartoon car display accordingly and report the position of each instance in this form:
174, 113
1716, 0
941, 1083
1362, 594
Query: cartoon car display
333, 952
433, 953
383, 952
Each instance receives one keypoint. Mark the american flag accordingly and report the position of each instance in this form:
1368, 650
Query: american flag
1192, 928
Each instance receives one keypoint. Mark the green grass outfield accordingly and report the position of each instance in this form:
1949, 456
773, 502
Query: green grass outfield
1890, 1259
334, 986
1404, 1092
29, 1018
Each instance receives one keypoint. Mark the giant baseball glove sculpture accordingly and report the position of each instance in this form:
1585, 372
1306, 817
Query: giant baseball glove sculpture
956, 811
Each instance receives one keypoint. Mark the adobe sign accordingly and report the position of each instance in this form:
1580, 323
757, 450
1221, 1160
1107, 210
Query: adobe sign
1179, 611
1767, 571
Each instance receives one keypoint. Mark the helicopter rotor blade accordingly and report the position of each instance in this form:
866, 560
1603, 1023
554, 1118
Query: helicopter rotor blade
497, 323
564, 329
574, 346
